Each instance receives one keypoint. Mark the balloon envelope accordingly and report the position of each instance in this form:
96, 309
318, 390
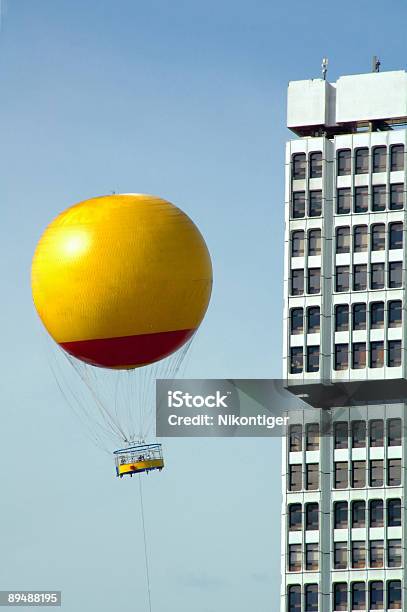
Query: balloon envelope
121, 281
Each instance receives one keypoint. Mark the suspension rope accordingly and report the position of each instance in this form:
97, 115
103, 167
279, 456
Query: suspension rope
145, 543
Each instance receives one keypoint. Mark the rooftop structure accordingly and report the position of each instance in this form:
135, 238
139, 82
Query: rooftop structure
375, 100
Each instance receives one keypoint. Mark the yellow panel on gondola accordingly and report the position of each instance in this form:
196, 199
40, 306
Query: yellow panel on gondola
121, 281
140, 466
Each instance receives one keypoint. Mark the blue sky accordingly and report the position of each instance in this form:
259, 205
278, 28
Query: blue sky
185, 100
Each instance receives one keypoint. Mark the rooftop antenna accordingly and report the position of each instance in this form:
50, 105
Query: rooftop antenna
375, 64
324, 67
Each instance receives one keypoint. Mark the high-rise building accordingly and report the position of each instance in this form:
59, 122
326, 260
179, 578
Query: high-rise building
343, 544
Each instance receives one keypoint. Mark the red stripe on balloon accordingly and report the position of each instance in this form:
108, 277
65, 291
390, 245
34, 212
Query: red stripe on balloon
127, 351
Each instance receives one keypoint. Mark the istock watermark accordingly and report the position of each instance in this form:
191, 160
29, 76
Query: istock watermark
261, 407
208, 408
178, 399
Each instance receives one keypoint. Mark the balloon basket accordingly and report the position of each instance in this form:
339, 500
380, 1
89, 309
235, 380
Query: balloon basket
138, 458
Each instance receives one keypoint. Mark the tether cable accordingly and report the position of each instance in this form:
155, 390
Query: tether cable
145, 544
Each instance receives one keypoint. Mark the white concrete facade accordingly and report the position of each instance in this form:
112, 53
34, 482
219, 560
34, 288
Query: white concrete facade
354, 272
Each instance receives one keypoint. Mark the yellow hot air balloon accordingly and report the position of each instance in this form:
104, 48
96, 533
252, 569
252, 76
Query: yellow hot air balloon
121, 282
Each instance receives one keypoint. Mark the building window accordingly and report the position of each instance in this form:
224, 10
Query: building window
394, 513
295, 517
311, 598
395, 313
358, 355
379, 159
377, 276
312, 437
376, 432
341, 356
362, 161
340, 555
395, 274
394, 595
294, 557
358, 514
312, 517
379, 198
397, 196
315, 203
341, 434
361, 200
394, 472
311, 557
342, 278
313, 320
340, 597
376, 513
377, 315
297, 282
295, 478
358, 474
314, 280
315, 165
376, 354
343, 201
294, 598
376, 554
394, 353
297, 244
341, 515
376, 595
378, 237
358, 555
296, 359
358, 591
360, 238
360, 277
312, 358
396, 236
297, 321
341, 475
314, 242
376, 473
358, 434
298, 209
344, 162
343, 239
299, 166
295, 436
394, 553
312, 474
397, 157
394, 432
342, 317
359, 316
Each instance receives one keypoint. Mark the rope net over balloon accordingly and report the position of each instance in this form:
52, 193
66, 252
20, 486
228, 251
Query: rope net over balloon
115, 407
